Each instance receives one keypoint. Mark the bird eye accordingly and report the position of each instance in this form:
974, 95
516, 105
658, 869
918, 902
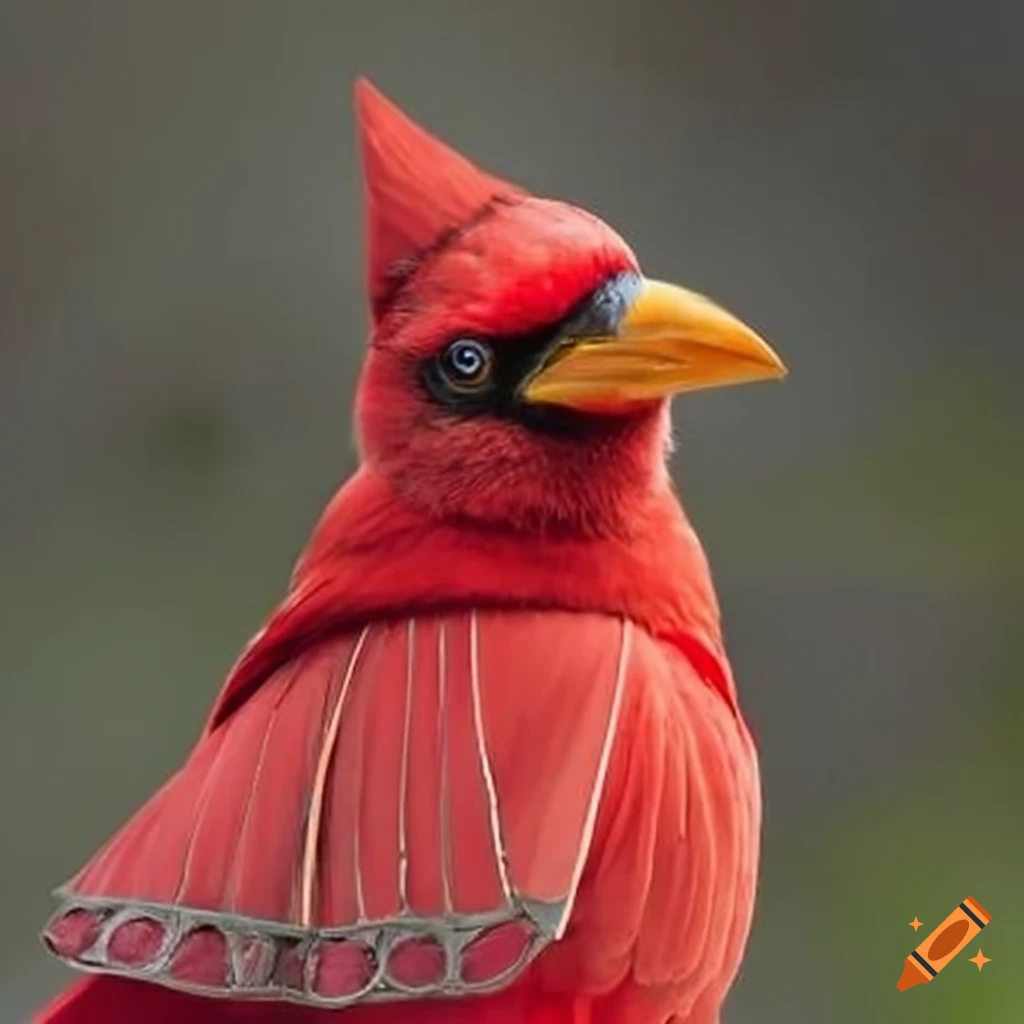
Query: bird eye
466, 364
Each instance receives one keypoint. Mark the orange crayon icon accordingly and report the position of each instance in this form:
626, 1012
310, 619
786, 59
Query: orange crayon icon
943, 944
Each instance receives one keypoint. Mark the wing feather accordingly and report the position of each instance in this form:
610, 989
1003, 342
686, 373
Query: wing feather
665, 904
421, 792
698, 904
426, 805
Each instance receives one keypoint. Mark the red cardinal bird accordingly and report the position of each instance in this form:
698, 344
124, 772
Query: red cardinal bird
485, 762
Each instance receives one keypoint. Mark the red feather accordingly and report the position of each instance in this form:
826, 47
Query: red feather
372, 553
417, 190
110, 1000
447, 765
376, 778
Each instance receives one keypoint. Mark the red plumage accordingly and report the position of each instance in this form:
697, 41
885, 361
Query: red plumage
485, 761
417, 190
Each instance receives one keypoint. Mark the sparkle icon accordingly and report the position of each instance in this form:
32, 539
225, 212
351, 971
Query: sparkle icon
915, 924
981, 959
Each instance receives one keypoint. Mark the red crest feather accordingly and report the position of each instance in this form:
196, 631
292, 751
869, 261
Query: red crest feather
417, 190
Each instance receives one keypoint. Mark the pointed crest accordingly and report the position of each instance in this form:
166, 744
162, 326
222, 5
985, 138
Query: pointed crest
417, 190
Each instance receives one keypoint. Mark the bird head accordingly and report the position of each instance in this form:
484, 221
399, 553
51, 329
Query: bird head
520, 364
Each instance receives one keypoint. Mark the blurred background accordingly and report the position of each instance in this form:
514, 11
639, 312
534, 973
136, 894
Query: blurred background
182, 315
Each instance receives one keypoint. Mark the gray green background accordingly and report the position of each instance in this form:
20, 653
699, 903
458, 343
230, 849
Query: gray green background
181, 317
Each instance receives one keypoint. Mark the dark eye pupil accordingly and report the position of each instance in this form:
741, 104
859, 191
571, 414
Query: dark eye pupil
467, 359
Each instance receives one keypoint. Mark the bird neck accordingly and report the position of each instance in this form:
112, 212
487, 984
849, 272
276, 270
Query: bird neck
392, 555
375, 555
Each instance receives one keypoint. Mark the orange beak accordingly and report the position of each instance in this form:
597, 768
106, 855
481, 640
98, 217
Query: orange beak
671, 340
